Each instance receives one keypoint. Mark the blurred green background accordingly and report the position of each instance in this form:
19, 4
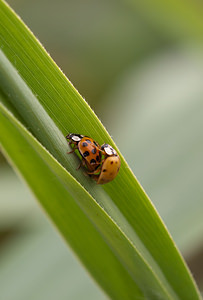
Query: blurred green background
139, 64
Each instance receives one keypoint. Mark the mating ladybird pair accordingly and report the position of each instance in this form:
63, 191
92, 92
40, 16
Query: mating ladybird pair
102, 162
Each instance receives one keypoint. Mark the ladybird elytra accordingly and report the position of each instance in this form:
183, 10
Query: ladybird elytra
88, 149
109, 169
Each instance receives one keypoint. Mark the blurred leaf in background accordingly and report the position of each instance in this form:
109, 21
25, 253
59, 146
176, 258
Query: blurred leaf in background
28, 240
92, 41
140, 65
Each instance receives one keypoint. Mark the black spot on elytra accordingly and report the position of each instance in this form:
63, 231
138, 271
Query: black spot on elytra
88, 141
84, 144
94, 150
98, 158
104, 170
85, 154
111, 162
92, 161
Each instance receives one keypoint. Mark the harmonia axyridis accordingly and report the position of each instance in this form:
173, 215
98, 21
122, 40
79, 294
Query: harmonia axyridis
88, 149
110, 165
102, 162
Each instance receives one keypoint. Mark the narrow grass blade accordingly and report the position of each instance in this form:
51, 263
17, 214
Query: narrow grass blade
50, 107
57, 195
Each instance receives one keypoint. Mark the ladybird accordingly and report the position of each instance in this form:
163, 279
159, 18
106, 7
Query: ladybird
88, 149
109, 167
102, 162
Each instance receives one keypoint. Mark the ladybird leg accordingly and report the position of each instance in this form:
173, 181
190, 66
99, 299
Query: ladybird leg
81, 164
103, 155
95, 177
95, 171
71, 142
74, 148
69, 152
85, 173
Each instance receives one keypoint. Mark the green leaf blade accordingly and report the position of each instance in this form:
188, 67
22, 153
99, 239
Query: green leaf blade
57, 110
57, 201
54, 200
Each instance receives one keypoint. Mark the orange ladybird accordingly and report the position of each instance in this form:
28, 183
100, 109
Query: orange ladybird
110, 165
102, 162
88, 149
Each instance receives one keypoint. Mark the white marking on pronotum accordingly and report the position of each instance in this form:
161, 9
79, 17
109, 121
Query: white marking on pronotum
76, 138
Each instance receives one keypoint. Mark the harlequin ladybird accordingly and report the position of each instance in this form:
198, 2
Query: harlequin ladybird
110, 165
88, 149
102, 162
